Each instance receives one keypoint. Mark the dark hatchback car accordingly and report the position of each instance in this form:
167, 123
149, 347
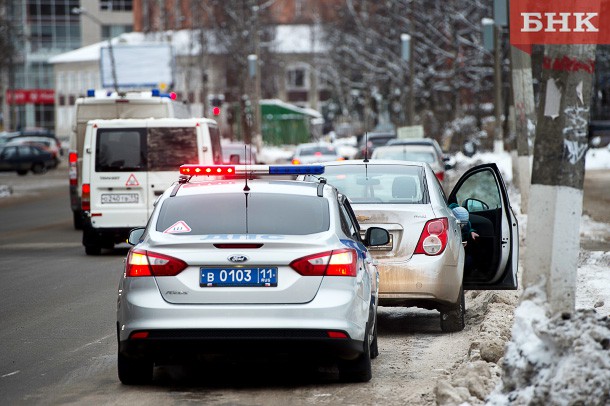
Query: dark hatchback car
24, 158
370, 141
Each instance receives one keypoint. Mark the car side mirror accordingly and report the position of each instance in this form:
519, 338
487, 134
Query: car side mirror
376, 236
135, 235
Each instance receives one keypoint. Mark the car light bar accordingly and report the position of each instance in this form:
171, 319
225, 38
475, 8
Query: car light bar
223, 170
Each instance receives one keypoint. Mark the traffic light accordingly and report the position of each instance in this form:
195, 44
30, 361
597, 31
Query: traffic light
216, 105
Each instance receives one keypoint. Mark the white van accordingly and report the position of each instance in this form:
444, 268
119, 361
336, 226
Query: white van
128, 163
100, 105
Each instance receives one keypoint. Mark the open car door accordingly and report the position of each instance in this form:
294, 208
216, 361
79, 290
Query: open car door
493, 257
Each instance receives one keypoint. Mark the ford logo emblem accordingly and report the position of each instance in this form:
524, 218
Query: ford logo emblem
238, 258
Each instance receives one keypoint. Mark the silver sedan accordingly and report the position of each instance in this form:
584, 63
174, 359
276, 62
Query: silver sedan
258, 266
425, 264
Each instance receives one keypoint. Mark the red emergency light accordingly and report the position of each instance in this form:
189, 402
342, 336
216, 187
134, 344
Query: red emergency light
193, 170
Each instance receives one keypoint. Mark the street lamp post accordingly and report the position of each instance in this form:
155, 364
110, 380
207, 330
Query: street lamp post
82, 11
406, 55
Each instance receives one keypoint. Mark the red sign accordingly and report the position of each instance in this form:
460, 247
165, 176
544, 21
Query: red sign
30, 96
559, 22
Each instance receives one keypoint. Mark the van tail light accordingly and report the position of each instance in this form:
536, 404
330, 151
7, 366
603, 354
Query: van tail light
86, 197
440, 176
433, 239
73, 168
147, 263
341, 262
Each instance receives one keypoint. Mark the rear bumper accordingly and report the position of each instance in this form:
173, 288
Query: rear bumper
293, 327
419, 280
103, 236
183, 345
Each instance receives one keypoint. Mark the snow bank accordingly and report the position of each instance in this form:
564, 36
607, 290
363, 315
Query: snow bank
563, 360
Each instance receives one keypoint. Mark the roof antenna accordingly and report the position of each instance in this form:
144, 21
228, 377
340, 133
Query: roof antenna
366, 146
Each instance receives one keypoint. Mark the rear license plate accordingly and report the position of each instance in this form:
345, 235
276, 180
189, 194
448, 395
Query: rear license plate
120, 198
241, 277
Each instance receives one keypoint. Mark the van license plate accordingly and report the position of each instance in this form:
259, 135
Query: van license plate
242, 277
120, 198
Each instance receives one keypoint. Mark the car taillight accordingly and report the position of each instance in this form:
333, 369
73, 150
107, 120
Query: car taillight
341, 262
440, 176
72, 168
86, 197
433, 239
147, 263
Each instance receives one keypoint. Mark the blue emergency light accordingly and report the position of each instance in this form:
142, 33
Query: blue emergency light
90, 92
296, 169
223, 170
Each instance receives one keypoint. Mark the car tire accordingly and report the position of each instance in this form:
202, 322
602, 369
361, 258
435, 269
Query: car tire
452, 317
39, 169
22, 172
134, 371
374, 345
77, 218
93, 250
358, 369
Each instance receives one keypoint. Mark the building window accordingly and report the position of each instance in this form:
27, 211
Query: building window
111, 31
116, 5
296, 77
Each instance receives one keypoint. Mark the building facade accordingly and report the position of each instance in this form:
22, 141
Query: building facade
42, 29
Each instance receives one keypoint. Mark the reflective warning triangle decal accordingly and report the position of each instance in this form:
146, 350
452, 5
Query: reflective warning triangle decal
132, 181
178, 227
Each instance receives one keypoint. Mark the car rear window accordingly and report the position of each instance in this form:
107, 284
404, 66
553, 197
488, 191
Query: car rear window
374, 184
233, 213
155, 149
404, 154
170, 147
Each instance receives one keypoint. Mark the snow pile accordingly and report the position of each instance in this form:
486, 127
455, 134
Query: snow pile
564, 359
471, 381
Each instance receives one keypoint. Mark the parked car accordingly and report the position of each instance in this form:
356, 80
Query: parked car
315, 152
370, 141
419, 152
423, 264
422, 141
24, 158
46, 143
40, 132
214, 272
239, 153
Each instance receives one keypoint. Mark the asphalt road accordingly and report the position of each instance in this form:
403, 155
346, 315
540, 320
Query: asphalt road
57, 312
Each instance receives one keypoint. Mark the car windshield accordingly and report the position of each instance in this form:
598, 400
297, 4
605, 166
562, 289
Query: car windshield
376, 184
227, 213
404, 154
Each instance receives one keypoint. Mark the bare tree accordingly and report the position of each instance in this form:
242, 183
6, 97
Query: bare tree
451, 68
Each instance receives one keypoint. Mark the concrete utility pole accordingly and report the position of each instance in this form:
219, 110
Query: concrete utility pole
498, 133
523, 99
555, 207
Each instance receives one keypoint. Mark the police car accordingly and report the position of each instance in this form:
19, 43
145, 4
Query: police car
255, 265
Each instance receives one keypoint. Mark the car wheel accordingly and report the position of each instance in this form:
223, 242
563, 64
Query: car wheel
22, 172
93, 249
39, 169
358, 369
452, 317
374, 346
134, 372
77, 218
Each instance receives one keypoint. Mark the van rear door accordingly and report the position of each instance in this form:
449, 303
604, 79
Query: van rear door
168, 147
119, 178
